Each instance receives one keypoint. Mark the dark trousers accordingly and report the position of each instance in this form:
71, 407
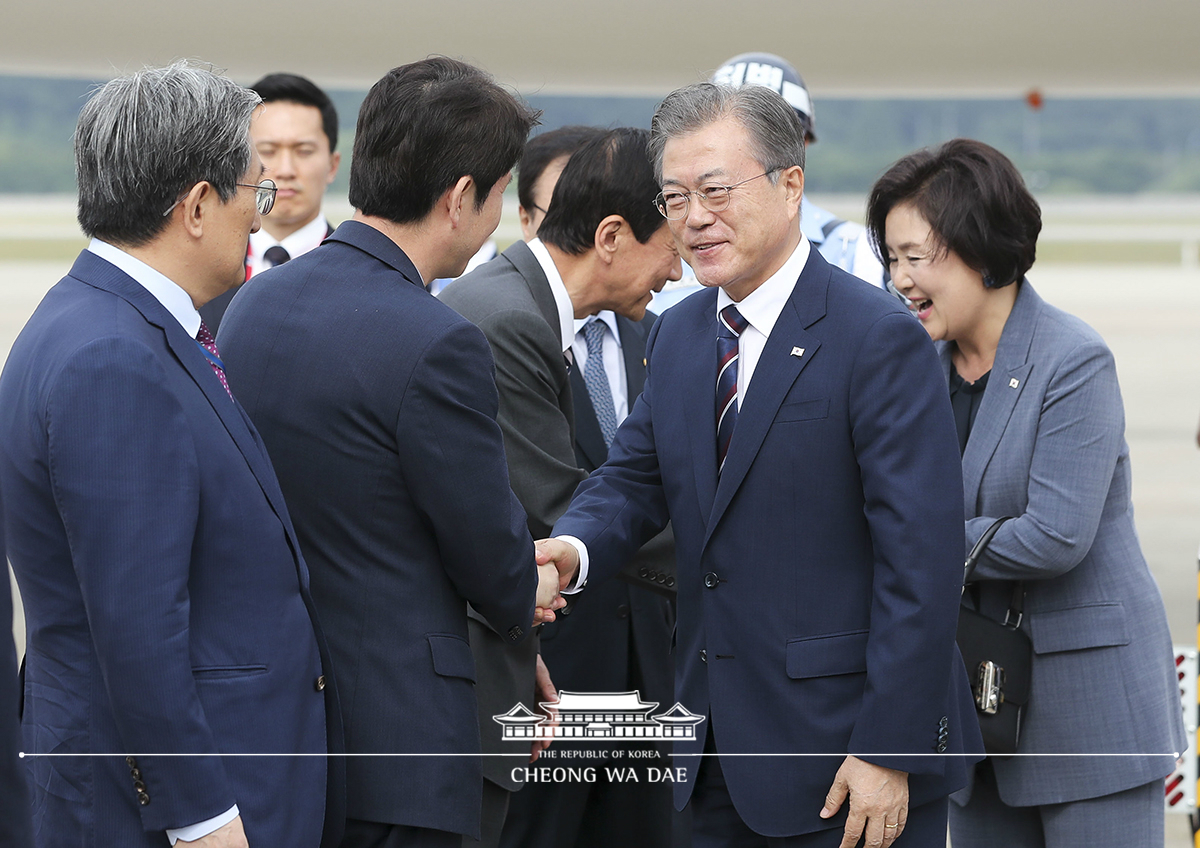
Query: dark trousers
716, 824
369, 834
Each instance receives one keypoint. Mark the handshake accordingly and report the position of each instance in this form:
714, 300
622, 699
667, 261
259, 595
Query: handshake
557, 565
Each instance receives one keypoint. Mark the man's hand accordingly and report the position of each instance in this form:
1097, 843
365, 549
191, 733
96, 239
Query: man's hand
227, 836
548, 598
878, 802
561, 555
543, 692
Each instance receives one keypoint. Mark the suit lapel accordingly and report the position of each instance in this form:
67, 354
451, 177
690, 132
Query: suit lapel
633, 349
776, 371
96, 272
1009, 376
531, 272
694, 391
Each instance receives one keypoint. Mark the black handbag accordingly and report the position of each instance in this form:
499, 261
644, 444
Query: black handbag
999, 660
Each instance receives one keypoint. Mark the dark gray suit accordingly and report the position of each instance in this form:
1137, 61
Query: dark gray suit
1048, 447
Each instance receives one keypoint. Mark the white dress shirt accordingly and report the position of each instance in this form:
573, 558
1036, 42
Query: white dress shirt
179, 303
761, 309
296, 244
566, 311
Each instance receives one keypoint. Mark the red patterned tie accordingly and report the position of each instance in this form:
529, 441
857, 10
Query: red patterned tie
208, 344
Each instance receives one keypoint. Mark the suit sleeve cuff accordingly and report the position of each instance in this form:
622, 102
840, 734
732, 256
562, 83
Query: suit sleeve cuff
198, 831
580, 580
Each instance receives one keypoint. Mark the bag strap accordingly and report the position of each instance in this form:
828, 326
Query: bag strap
1016, 605
980, 546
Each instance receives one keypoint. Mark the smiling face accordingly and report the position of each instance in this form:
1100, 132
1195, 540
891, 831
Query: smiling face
947, 295
742, 245
295, 151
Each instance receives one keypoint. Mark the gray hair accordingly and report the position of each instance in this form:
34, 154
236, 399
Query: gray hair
144, 140
776, 134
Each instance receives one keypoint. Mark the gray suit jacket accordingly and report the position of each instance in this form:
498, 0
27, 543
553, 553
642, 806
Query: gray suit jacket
510, 299
1048, 447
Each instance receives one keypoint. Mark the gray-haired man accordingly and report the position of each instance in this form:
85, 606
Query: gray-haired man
166, 601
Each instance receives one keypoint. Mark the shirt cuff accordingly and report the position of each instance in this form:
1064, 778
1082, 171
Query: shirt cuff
580, 580
198, 831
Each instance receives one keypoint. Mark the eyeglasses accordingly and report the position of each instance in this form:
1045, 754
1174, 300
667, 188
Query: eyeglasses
673, 204
264, 196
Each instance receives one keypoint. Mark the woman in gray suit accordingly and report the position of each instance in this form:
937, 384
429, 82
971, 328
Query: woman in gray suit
1041, 426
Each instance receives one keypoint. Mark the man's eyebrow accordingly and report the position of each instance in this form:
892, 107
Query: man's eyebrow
707, 175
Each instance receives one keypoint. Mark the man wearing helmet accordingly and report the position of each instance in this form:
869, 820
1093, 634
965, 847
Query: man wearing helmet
842, 243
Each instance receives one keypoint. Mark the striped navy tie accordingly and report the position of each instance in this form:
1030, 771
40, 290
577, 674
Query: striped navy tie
729, 326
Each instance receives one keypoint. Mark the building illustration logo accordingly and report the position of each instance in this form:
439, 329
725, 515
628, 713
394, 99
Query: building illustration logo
595, 716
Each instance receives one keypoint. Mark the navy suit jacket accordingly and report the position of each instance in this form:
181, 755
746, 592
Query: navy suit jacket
378, 405
15, 827
165, 597
819, 576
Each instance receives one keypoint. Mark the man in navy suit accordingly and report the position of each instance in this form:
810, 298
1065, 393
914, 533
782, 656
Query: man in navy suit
165, 597
378, 406
794, 429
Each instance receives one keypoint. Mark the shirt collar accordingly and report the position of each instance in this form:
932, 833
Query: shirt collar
566, 311
173, 298
296, 244
762, 306
607, 316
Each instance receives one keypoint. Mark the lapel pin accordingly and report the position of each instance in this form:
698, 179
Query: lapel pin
797, 351
1013, 383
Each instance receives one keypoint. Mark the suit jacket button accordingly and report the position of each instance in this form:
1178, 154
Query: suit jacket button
514, 632
130, 761
623, 611
139, 786
703, 655
671, 582
143, 799
643, 572
320, 684
944, 723
136, 774
941, 748
711, 580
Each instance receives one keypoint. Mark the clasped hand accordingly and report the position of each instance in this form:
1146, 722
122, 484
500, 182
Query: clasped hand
557, 563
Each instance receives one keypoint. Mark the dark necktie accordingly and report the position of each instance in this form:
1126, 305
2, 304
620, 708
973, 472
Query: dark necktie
208, 344
276, 255
729, 326
596, 380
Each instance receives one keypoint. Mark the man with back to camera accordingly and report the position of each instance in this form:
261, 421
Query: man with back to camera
165, 598
788, 415
378, 406
296, 135
600, 252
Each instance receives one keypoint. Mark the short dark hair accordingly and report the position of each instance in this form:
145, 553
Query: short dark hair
543, 149
293, 88
975, 202
424, 126
609, 175
144, 140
